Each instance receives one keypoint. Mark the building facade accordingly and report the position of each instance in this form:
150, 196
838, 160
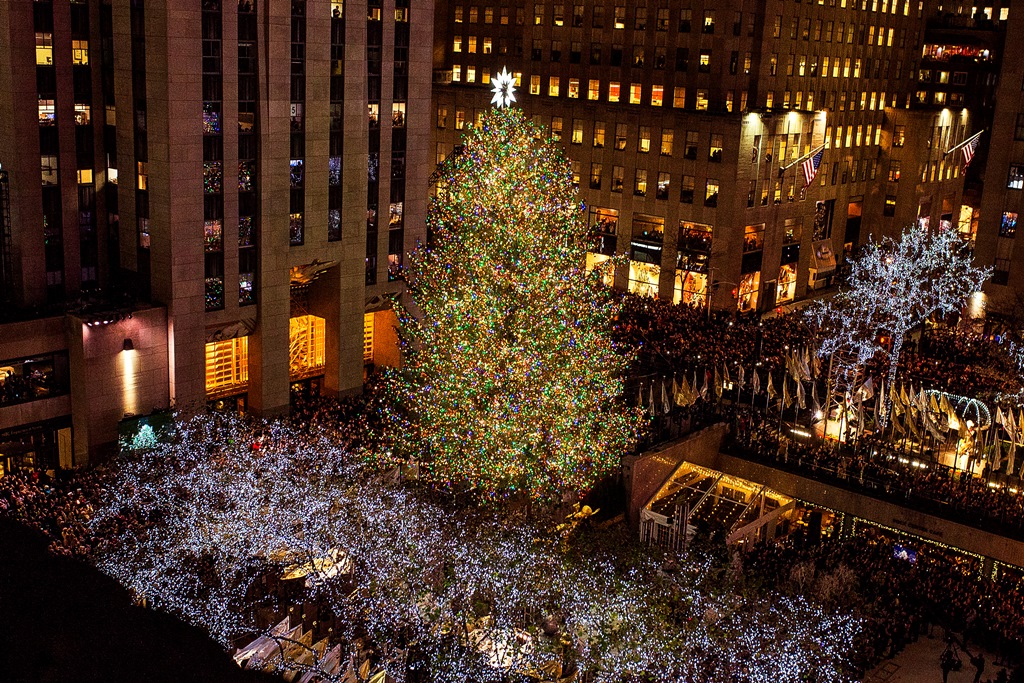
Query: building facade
1001, 201
687, 125
244, 176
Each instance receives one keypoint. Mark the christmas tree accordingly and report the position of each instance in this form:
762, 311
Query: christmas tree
511, 382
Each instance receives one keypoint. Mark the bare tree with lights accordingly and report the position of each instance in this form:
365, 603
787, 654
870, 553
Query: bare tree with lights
894, 285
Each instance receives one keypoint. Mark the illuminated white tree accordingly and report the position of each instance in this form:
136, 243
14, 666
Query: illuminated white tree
458, 594
894, 285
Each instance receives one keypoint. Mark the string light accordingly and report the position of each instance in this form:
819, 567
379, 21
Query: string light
894, 285
511, 382
469, 596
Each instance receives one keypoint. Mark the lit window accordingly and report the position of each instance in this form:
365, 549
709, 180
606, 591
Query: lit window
213, 236
711, 193
142, 169
663, 185
594, 89
640, 187
556, 128
534, 85
470, 74
44, 49
47, 113
574, 88
577, 132
679, 97
488, 46
553, 87
85, 176
456, 72
666, 142
80, 52
715, 151
1016, 178
472, 44
657, 95
644, 144
457, 44
1008, 225
227, 366
702, 100
635, 93
613, 91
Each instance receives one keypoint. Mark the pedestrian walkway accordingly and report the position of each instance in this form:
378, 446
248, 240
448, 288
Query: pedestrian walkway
919, 663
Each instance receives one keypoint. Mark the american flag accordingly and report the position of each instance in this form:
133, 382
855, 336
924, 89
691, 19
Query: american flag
969, 149
810, 167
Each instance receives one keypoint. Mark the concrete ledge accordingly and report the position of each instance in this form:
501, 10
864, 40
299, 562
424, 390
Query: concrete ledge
35, 411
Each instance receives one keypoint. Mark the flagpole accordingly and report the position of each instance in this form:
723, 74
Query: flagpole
783, 169
965, 142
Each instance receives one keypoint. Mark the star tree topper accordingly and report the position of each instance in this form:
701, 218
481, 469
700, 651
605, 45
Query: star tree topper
504, 88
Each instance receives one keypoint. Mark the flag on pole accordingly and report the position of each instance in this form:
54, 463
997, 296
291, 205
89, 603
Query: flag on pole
786, 399
970, 148
810, 166
997, 452
683, 395
743, 378
800, 397
666, 407
866, 391
704, 389
725, 374
718, 384
756, 382
650, 402
771, 387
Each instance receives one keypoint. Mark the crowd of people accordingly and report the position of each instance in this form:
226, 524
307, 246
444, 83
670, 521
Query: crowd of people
60, 507
670, 338
957, 362
898, 596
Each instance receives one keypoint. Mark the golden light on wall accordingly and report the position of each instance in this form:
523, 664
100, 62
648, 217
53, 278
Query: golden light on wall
306, 349
227, 367
367, 337
129, 361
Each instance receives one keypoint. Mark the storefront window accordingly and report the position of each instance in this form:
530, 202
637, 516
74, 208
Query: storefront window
786, 287
643, 278
749, 286
31, 379
691, 288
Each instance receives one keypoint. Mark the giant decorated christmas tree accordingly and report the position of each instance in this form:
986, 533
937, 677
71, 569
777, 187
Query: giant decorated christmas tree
511, 382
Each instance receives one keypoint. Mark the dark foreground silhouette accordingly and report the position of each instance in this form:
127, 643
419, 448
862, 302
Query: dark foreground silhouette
61, 620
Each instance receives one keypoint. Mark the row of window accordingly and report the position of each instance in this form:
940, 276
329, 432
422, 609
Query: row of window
800, 99
662, 17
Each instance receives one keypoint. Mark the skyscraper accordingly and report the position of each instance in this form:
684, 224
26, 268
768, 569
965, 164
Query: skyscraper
687, 125
240, 177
